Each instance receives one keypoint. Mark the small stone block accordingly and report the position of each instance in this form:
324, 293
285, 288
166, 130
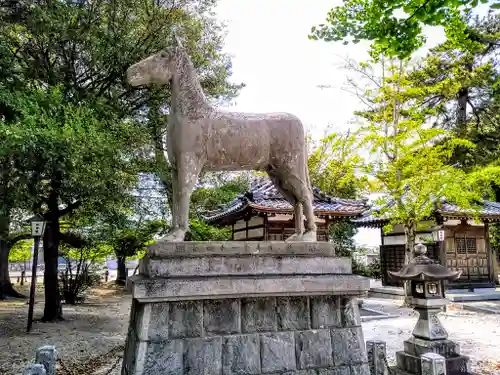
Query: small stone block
376, 352
36, 369
348, 346
325, 312
151, 321
162, 359
241, 355
293, 313
433, 364
47, 356
258, 315
277, 352
222, 317
313, 349
203, 356
186, 319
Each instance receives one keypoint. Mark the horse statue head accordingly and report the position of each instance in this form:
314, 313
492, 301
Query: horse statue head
156, 69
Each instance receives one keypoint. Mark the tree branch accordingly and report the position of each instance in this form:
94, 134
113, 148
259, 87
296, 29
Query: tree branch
19, 237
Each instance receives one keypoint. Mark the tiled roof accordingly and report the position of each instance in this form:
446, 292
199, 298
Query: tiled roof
264, 197
487, 210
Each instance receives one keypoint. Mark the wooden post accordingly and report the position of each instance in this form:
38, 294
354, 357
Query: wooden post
33, 284
490, 258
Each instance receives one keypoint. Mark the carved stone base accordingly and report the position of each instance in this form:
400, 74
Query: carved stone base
428, 325
245, 308
409, 361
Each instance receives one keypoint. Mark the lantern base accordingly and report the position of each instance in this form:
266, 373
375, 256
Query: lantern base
428, 326
409, 361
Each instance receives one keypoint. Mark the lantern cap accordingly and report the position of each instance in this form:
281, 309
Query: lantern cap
36, 218
422, 268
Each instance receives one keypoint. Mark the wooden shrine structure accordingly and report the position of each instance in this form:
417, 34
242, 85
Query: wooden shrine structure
464, 244
262, 214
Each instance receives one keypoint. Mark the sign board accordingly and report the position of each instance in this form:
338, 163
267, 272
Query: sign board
441, 235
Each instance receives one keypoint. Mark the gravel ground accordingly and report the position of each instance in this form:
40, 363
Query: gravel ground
97, 327
88, 330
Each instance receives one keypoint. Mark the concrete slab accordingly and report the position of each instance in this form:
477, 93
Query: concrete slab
455, 295
487, 307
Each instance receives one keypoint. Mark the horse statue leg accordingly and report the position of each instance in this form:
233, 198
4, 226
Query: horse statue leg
299, 227
299, 223
184, 177
300, 185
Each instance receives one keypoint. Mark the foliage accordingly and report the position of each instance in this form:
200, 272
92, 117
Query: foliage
79, 275
128, 241
21, 251
201, 231
372, 270
334, 164
76, 55
461, 86
395, 28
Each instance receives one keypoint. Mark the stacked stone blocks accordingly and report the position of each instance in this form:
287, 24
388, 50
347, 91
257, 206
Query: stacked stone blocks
269, 326
277, 334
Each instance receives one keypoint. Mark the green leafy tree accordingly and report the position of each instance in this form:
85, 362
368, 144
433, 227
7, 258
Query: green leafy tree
72, 159
334, 165
411, 160
395, 28
67, 62
129, 241
21, 251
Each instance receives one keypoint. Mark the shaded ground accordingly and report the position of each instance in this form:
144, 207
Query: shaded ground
93, 329
89, 330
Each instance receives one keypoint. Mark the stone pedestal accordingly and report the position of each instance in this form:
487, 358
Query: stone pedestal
410, 360
245, 308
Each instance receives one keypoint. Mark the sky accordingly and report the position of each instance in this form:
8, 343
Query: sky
282, 68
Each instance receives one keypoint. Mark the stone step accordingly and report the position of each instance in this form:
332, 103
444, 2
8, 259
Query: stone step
248, 265
147, 289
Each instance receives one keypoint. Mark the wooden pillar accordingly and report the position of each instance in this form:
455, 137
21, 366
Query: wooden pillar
491, 259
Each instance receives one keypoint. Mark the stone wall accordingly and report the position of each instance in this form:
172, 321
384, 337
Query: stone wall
294, 335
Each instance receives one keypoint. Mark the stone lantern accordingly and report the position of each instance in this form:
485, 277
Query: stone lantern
426, 279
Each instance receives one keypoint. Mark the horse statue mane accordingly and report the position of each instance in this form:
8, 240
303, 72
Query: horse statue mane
202, 137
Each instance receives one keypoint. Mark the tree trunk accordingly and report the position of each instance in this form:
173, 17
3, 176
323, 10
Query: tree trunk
6, 288
410, 235
53, 308
121, 271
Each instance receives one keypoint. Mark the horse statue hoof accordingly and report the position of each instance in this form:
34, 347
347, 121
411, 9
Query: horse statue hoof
177, 235
309, 236
294, 237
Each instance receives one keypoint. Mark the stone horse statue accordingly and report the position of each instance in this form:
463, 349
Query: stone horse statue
202, 137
